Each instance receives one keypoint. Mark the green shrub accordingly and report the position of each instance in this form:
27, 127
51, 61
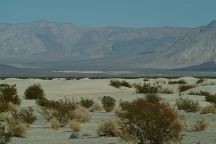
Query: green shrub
9, 94
108, 103
147, 122
118, 84
183, 88
146, 88
187, 105
200, 81
34, 92
87, 103
211, 98
167, 91
177, 82
115, 83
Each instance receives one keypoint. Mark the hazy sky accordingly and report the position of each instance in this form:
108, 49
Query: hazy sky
136, 13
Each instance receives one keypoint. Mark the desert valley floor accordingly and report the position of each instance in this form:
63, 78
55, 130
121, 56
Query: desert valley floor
60, 88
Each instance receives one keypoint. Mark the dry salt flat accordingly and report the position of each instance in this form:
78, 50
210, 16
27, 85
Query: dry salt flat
59, 88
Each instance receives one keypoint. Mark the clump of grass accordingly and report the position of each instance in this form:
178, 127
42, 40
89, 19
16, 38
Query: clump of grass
146, 88
74, 125
183, 88
118, 84
208, 109
19, 130
177, 82
55, 124
108, 103
167, 91
149, 122
87, 103
109, 128
34, 92
200, 125
187, 105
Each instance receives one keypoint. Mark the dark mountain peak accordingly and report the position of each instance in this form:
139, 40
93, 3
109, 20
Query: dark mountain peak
210, 27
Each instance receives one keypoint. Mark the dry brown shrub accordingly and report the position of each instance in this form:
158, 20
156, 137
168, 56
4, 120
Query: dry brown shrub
96, 107
152, 122
109, 128
80, 114
74, 125
55, 124
19, 130
208, 109
200, 124
187, 105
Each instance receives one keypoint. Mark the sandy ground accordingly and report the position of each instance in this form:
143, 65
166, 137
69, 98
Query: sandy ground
40, 133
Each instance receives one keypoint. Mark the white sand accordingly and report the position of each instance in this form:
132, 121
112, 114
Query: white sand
96, 88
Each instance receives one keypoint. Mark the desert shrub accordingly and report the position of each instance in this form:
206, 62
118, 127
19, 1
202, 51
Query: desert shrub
108, 103
26, 115
80, 114
177, 82
19, 130
185, 87
145, 88
211, 98
87, 103
55, 124
125, 84
5, 137
147, 122
118, 84
167, 91
7, 106
96, 107
109, 128
145, 79
200, 124
153, 98
200, 81
115, 83
74, 125
9, 94
208, 109
34, 92
201, 93
59, 109
187, 105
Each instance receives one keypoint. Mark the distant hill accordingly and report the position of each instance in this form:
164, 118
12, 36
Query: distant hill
50, 44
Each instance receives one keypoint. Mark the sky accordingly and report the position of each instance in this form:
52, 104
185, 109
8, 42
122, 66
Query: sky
98, 13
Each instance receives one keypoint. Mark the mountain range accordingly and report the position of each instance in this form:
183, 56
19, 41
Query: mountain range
50, 44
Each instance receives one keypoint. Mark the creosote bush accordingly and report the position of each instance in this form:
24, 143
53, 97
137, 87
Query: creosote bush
211, 98
149, 122
25, 115
201, 93
87, 103
59, 109
177, 82
118, 84
146, 88
187, 105
34, 92
9, 94
167, 91
200, 81
109, 128
183, 88
108, 103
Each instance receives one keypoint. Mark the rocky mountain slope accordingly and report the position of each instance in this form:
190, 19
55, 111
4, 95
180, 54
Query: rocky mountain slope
65, 43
